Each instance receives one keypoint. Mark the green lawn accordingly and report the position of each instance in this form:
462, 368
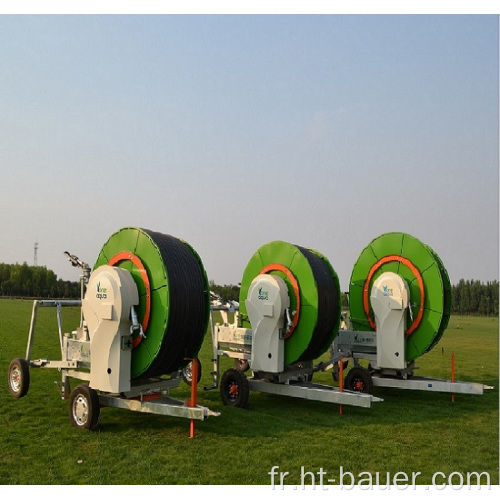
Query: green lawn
409, 432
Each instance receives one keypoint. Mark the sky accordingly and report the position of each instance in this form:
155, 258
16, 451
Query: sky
232, 131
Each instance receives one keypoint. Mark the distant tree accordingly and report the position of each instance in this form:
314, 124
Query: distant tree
464, 297
493, 294
345, 301
227, 292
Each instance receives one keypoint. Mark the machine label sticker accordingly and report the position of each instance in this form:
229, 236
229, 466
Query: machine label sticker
102, 293
263, 294
360, 339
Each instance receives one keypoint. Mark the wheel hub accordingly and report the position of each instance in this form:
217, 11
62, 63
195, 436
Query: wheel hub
15, 378
358, 385
80, 410
233, 390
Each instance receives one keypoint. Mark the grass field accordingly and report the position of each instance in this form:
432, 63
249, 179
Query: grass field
409, 432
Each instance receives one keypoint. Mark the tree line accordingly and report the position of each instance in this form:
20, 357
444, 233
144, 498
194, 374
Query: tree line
468, 297
474, 297
21, 280
227, 292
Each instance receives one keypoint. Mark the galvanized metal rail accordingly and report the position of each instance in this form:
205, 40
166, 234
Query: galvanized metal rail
430, 384
161, 406
315, 392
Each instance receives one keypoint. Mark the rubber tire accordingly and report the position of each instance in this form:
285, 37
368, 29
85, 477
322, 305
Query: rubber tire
21, 366
187, 374
88, 398
358, 379
234, 380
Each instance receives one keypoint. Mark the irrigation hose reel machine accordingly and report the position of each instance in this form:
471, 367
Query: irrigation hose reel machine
399, 308
289, 314
144, 315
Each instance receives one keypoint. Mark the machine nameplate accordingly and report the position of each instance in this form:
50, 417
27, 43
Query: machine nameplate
78, 350
232, 335
364, 339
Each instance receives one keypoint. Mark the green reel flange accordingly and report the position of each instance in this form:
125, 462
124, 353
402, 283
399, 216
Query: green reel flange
427, 279
174, 296
314, 290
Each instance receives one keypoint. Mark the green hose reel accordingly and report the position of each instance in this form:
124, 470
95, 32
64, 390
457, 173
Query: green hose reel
428, 281
314, 291
174, 296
